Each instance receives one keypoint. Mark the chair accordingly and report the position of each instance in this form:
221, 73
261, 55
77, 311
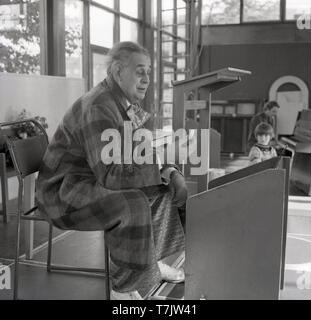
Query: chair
27, 156
4, 187
5, 173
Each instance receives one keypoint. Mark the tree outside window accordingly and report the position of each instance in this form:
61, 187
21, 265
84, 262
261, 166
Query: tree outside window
220, 11
20, 37
228, 11
258, 10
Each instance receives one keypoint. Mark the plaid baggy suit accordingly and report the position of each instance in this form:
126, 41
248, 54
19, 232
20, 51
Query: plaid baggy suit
77, 191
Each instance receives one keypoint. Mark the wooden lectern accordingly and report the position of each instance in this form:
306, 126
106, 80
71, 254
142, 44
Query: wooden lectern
236, 236
210, 81
236, 226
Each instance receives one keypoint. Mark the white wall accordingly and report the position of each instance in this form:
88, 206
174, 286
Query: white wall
46, 96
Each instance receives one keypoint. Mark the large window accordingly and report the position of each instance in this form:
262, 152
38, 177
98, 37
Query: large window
174, 55
83, 31
247, 11
20, 36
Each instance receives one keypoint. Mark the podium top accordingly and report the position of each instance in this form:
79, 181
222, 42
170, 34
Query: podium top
225, 75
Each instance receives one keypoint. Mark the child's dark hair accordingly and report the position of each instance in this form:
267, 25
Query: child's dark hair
264, 128
270, 105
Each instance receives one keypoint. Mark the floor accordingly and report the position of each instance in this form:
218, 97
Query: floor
85, 249
80, 249
7, 233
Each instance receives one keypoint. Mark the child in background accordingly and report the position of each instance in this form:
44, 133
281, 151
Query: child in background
262, 150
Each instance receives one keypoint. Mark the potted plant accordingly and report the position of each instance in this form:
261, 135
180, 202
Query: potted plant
21, 131
24, 130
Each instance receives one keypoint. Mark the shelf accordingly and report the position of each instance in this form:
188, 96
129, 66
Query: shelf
213, 80
236, 116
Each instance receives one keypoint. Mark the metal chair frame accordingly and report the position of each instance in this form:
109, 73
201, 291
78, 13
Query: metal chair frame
21, 215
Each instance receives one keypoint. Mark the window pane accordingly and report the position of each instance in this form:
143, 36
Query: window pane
99, 68
73, 37
181, 76
167, 17
167, 110
101, 27
295, 8
181, 16
107, 3
168, 77
167, 87
167, 49
181, 4
129, 7
181, 64
20, 37
181, 47
168, 94
220, 12
167, 29
128, 30
261, 10
167, 125
154, 12
167, 4
181, 31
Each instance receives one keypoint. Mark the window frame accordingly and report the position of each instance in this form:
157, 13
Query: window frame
171, 63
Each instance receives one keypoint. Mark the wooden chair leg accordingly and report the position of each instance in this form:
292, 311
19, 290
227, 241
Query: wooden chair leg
16, 271
4, 187
107, 273
18, 236
49, 257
